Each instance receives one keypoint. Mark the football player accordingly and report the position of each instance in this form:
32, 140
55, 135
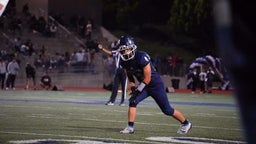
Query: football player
139, 69
119, 76
215, 64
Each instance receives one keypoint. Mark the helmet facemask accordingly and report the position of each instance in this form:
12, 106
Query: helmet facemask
127, 52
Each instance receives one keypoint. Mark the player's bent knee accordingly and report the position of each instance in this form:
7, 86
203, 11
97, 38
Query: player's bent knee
132, 104
168, 112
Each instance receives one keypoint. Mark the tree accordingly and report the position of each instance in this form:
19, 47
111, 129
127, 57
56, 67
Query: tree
185, 23
135, 13
188, 14
194, 19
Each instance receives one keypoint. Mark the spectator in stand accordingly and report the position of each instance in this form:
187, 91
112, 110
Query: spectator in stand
80, 56
23, 49
174, 64
92, 45
60, 63
109, 65
39, 61
53, 62
17, 43
46, 81
42, 51
41, 24
52, 29
30, 51
30, 75
2, 72
26, 10
80, 25
88, 33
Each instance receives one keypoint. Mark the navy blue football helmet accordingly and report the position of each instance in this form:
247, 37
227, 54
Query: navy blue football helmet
127, 47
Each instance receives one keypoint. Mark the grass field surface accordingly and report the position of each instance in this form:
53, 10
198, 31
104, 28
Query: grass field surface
81, 117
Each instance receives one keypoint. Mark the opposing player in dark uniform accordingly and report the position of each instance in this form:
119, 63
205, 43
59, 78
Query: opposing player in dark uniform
138, 65
119, 76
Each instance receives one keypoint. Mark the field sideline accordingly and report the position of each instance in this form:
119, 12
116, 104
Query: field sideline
80, 116
76, 88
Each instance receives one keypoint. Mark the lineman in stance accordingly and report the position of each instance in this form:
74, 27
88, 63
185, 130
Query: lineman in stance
138, 65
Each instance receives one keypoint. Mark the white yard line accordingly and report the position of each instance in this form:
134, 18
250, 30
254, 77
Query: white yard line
79, 137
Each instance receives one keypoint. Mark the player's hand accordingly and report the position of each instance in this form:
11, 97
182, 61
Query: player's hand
132, 98
133, 88
136, 91
133, 94
100, 46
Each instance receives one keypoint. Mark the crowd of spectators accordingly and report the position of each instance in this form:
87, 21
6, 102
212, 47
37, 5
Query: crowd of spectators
14, 45
80, 60
172, 65
16, 23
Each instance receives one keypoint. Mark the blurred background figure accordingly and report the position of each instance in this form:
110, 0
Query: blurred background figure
30, 75
120, 77
209, 80
12, 71
46, 81
2, 72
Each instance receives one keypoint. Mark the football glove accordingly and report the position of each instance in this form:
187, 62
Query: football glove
136, 91
133, 94
132, 98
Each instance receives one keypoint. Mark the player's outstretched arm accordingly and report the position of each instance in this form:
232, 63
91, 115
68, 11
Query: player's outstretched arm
100, 46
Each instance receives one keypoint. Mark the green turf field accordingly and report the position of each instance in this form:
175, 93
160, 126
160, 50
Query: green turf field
80, 117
